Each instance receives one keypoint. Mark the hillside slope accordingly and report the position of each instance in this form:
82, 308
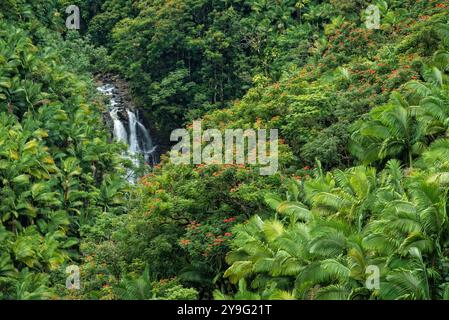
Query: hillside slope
369, 102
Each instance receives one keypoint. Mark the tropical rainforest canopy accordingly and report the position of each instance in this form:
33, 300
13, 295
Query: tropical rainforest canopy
363, 179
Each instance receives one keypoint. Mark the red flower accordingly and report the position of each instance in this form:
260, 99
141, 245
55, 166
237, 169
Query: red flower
228, 234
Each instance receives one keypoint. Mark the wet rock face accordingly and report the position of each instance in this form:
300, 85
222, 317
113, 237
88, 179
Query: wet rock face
118, 93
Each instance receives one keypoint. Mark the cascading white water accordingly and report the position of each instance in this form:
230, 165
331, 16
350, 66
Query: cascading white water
120, 133
134, 148
148, 148
136, 137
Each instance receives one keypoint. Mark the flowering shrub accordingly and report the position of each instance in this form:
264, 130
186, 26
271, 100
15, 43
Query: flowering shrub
208, 240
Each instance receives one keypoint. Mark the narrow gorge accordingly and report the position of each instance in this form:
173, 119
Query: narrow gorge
127, 126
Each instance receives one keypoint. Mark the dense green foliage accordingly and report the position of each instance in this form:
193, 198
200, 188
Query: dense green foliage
364, 155
58, 170
184, 58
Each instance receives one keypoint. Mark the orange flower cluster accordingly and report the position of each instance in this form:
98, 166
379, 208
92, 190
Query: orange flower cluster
393, 74
200, 167
232, 219
194, 225
184, 242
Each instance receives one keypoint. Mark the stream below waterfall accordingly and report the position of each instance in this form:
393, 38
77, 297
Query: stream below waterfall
129, 129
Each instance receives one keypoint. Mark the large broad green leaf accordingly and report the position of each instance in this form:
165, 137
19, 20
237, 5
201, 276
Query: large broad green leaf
22, 179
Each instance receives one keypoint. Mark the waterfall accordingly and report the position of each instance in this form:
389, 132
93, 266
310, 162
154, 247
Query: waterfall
136, 136
134, 148
148, 149
120, 133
